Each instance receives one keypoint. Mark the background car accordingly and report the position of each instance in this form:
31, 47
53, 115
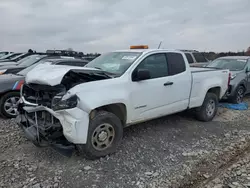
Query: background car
36, 58
240, 76
15, 60
4, 53
9, 56
10, 84
195, 58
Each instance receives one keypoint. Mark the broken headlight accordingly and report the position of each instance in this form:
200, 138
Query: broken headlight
59, 104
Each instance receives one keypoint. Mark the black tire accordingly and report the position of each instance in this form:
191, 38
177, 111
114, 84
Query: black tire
3, 99
89, 150
238, 95
202, 113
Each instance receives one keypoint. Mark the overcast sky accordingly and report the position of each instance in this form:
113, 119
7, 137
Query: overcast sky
104, 25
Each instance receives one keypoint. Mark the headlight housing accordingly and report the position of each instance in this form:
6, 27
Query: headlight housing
59, 104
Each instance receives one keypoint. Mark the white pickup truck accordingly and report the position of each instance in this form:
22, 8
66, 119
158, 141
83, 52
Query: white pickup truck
87, 108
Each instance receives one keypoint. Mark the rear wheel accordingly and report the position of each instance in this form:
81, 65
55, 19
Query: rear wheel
208, 109
239, 95
104, 136
8, 104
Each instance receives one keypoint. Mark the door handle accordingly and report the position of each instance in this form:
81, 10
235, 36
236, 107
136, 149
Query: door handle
168, 83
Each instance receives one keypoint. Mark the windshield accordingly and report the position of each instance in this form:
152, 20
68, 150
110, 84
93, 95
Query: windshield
30, 60
9, 56
231, 64
26, 70
114, 62
3, 54
16, 57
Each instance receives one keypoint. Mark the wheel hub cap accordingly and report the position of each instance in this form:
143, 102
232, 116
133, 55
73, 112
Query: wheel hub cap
103, 136
210, 108
10, 105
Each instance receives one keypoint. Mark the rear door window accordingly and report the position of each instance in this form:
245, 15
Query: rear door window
189, 58
199, 57
176, 63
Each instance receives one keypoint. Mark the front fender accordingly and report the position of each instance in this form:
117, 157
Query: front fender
92, 100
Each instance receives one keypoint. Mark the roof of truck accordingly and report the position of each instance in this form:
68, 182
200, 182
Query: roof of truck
146, 50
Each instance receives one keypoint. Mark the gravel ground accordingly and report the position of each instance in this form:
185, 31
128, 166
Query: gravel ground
166, 152
237, 175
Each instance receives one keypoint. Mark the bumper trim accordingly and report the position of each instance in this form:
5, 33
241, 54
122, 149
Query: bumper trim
27, 102
31, 132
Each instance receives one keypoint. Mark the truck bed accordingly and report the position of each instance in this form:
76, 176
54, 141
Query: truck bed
200, 69
205, 78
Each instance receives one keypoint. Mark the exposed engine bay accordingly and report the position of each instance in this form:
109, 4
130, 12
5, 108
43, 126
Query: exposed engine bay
41, 105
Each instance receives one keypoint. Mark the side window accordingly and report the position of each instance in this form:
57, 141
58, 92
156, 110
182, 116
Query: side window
156, 64
65, 63
199, 57
81, 64
78, 64
176, 63
189, 58
74, 63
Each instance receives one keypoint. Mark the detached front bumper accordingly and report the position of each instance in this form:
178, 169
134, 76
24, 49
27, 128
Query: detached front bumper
71, 124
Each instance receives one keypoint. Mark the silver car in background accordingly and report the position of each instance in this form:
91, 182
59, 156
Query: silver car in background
239, 67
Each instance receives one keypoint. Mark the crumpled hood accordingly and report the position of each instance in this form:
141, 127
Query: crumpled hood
49, 74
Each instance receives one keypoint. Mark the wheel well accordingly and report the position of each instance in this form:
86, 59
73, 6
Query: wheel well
215, 90
243, 86
11, 91
119, 109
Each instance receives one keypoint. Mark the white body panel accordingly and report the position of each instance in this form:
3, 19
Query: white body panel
144, 100
48, 74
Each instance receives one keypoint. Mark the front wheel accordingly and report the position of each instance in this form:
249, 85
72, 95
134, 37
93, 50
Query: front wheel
8, 104
104, 135
208, 109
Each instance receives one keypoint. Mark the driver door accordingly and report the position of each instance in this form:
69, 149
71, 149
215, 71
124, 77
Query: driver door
150, 96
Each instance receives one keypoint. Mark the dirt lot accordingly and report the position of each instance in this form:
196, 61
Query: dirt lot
174, 151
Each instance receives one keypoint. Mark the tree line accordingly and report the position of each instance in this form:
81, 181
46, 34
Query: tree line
214, 55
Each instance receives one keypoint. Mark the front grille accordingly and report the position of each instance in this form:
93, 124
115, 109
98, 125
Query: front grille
41, 94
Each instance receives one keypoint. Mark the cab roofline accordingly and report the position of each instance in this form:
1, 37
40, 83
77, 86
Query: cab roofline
147, 50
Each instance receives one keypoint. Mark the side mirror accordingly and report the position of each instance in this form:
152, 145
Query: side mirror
141, 74
247, 70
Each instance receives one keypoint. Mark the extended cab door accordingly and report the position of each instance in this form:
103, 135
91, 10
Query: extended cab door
166, 92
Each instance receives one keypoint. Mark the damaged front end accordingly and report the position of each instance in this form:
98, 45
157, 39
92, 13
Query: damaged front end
37, 122
49, 120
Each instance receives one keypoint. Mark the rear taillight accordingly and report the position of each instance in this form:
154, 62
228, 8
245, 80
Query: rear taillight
229, 78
